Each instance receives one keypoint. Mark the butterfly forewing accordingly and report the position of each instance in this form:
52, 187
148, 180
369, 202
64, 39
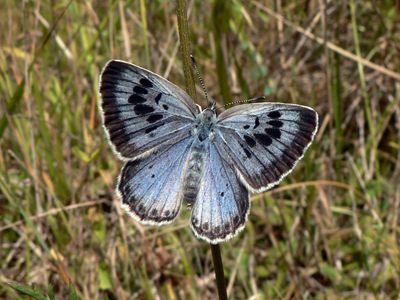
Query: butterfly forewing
222, 204
264, 140
141, 110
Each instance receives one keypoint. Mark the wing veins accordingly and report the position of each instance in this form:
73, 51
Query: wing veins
171, 133
230, 184
180, 158
161, 175
115, 122
243, 167
162, 136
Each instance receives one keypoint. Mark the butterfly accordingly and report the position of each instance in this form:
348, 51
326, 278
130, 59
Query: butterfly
175, 151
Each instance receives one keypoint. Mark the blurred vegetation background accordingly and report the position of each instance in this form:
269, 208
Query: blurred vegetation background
329, 231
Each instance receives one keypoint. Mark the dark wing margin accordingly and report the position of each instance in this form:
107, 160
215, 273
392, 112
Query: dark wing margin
141, 110
264, 141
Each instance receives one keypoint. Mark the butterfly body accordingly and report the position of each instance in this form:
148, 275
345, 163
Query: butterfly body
202, 133
176, 152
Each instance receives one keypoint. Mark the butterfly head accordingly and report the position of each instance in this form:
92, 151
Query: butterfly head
208, 115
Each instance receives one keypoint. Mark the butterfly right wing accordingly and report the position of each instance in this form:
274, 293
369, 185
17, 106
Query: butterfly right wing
150, 187
142, 110
222, 204
264, 141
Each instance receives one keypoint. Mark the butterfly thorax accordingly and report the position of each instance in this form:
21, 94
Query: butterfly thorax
204, 128
203, 133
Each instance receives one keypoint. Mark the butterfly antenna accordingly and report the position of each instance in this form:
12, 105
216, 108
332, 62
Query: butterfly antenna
244, 101
203, 87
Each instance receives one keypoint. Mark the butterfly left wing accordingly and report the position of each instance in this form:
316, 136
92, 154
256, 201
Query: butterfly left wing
264, 141
142, 110
222, 204
150, 188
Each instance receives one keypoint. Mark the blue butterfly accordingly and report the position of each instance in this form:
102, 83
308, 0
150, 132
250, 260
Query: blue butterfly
175, 151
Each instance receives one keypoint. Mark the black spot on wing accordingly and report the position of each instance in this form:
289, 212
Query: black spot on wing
274, 132
246, 126
205, 226
249, 140
152, 128
256, 123
154, 118
146, 83
275, 123
136, 99
263, 139
274, 114
142, 109
140, 90
217, 229
158, 97
247, 152
165, 106
140, 209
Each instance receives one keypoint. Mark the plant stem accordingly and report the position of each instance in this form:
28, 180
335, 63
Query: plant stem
143, 16
219, 271
183, 28
220, 20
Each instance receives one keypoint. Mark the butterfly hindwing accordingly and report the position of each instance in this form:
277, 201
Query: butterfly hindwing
264, 141
150, 187
222, 203
142, 110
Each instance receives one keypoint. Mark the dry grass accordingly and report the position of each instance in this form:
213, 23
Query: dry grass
330, 231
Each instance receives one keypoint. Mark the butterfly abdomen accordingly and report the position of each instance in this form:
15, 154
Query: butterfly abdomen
194, 172
203, 133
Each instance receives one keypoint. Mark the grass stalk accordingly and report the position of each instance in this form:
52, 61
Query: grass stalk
220, 19
183, 28
367, 104
145, 31
219, 271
